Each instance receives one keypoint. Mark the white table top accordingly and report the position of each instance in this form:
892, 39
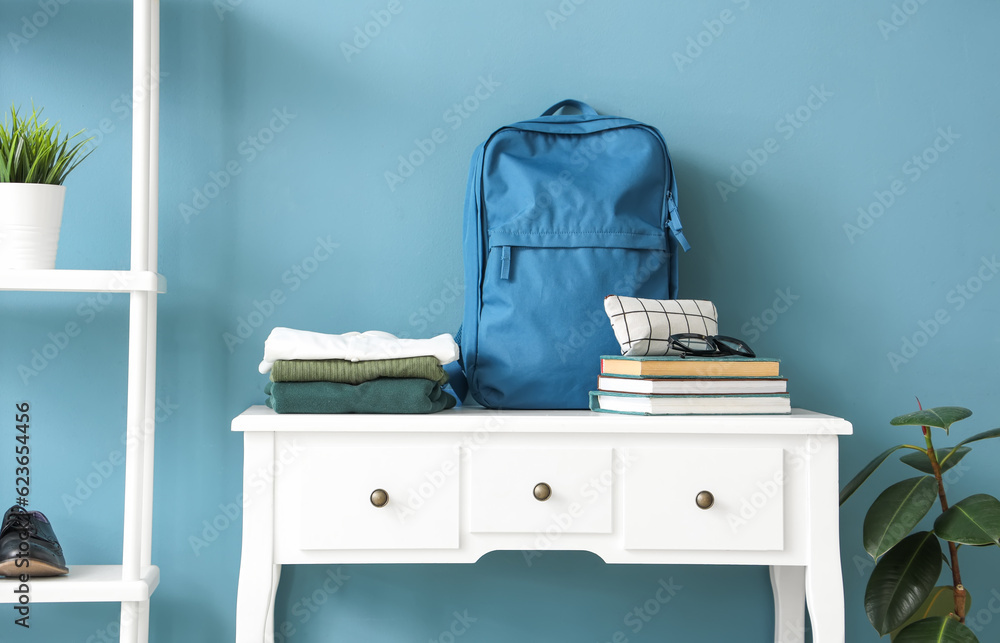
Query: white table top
474, 418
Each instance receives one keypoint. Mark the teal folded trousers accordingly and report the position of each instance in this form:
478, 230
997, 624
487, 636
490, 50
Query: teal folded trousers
383, 395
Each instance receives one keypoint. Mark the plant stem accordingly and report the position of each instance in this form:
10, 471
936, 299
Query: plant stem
956, 575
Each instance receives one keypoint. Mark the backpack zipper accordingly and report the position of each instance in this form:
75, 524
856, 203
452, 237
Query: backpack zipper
670, 227
666, 155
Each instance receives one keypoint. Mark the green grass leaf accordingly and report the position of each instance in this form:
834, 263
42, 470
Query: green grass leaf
37, 152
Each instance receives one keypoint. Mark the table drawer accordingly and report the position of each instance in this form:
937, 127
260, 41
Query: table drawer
503, 490
746, 488
337, 505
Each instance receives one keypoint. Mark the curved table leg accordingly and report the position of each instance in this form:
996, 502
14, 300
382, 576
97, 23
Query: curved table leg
788, 583
258, 573
825, 597
269, 624
824, 576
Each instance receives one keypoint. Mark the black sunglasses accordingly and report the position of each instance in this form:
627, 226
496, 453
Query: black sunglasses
709, 345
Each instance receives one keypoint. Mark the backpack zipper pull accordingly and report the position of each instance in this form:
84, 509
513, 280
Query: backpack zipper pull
505, 262
674, 224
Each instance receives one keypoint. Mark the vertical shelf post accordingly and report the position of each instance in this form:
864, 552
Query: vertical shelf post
154, 194
141, 406
139, 307
141, 82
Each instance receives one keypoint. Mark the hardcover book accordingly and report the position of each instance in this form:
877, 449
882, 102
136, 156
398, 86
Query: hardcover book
775, 404
689, 366
691, 385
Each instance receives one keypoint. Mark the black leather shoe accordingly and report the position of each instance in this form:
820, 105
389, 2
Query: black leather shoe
28, 536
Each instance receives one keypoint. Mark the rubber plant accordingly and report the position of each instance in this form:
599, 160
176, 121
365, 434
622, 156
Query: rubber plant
901, 598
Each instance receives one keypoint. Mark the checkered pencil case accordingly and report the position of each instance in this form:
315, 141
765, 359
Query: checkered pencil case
643, 326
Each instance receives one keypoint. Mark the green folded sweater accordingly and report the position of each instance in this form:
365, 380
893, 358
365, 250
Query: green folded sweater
384, 395
341, 370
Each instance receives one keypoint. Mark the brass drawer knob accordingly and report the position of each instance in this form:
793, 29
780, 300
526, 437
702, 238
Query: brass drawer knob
704, 500
380, 498
542, 491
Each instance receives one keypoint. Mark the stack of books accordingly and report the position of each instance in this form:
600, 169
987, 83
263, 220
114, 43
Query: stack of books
690, 386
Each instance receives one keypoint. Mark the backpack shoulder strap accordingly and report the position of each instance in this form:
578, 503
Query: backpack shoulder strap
456, 373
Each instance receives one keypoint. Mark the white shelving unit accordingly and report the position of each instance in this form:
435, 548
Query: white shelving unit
83, 281
133, 582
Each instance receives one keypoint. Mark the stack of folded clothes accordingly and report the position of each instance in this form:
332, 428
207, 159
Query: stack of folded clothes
371, 372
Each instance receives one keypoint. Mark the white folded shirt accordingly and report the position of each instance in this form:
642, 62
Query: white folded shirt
288, 343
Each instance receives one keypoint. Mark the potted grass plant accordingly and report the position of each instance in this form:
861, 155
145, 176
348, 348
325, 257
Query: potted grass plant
903, 598
35, 158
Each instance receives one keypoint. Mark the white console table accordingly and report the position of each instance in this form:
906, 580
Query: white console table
452, 486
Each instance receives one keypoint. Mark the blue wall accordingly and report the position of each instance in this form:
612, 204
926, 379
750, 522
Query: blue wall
849, 93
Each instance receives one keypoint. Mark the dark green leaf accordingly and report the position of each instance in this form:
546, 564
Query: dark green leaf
896, 512
902, 580
973, 521
947, 458
985, 435
864, 474
940, 602
939, 416
938, 629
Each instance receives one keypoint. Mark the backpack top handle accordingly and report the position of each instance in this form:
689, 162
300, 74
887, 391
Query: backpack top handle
582, 107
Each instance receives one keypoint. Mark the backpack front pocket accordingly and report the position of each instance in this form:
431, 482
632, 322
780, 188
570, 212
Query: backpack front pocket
525, 286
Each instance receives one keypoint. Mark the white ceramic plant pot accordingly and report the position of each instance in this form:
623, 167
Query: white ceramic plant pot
30, 216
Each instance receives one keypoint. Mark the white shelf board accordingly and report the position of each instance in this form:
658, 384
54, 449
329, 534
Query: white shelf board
473, 418
82, 281
86, 584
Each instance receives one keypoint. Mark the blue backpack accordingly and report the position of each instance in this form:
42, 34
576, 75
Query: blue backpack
560, 211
